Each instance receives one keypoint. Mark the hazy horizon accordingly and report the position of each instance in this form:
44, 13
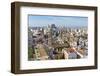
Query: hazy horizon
59, 21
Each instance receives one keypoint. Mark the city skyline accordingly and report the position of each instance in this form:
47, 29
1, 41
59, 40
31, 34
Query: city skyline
57, 37
66, 21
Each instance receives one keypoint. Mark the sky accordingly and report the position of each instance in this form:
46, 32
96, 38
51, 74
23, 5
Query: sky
70, 21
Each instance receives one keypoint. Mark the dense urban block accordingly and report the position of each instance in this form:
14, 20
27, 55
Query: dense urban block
55, 42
